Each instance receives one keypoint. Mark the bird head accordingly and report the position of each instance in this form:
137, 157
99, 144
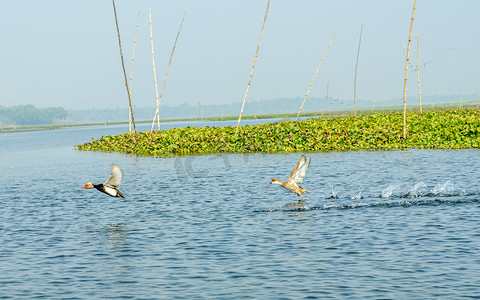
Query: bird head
274, 181
88, 185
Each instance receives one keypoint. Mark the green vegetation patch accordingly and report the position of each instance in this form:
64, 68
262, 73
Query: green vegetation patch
434, 129
30, 115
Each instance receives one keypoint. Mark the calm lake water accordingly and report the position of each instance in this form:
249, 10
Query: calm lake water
376, 225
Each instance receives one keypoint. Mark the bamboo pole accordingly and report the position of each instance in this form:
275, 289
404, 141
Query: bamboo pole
418, 72
355, 80
123, 67
166, 74
131, 68
405, 82
253, 67
326, 101
311, 83
154, 72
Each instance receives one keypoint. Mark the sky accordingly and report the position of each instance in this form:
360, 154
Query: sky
65, 53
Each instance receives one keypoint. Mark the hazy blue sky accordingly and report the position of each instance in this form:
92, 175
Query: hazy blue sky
65, 53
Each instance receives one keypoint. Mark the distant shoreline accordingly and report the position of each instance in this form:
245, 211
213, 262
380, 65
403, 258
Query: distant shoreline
446, 105
15, 128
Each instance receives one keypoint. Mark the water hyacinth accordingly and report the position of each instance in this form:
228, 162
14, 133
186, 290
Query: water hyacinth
435, 129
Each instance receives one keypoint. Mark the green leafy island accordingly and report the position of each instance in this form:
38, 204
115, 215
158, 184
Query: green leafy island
455, 128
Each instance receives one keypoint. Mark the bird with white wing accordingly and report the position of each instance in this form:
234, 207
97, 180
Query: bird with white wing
296, 178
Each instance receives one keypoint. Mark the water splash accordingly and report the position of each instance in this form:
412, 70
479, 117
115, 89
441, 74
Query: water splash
388, 191
414, 191
357, 196
446, 189
399, 203
333, 194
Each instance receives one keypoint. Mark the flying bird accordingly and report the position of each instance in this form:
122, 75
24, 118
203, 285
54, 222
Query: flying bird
296, 178
110, 186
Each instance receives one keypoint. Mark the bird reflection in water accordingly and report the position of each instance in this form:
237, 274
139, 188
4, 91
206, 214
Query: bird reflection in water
119, 259
117, 236
117, 233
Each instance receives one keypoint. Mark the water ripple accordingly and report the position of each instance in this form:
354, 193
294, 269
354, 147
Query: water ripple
378, 225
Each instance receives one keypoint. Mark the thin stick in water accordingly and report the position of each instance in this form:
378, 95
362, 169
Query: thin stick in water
131, 69
166, 74
418, 71
123, 67
253, 67
355, 80
154, 72
326, 101
405, 82
311, 83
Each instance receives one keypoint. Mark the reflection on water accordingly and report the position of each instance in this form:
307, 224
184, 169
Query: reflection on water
117, 234
297, 205
186, 168
390, 225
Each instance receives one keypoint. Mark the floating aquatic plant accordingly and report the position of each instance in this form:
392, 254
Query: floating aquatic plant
434, 129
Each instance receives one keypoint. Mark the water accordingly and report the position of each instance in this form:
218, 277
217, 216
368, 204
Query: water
397, 224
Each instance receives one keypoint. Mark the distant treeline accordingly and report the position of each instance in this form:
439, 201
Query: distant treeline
30, 115
185, 111
256, 108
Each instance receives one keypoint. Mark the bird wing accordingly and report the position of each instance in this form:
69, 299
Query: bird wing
115, 178
299, 170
